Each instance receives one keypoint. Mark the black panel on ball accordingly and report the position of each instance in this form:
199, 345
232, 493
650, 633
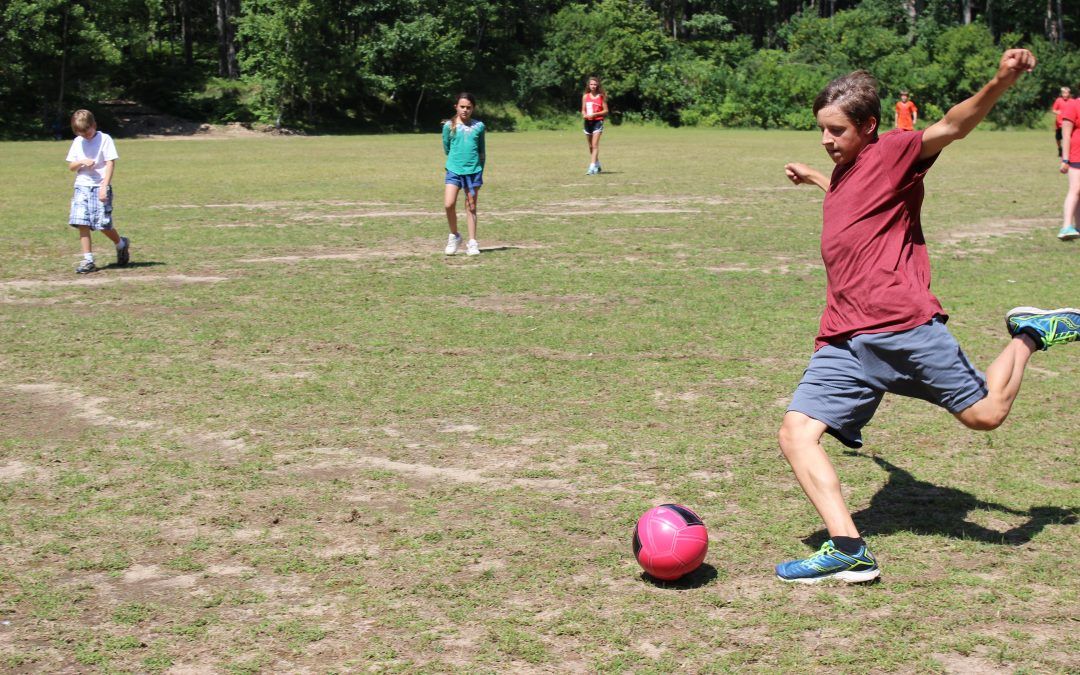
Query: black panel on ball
689, 516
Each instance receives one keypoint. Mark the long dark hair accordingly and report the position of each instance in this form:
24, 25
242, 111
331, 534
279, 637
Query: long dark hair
453, 119
856, 96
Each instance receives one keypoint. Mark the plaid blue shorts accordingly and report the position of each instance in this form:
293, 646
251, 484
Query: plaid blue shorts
87, 210
846, 381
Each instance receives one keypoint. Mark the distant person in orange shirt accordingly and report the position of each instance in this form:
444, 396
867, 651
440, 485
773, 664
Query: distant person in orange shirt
1057, 109
906, 113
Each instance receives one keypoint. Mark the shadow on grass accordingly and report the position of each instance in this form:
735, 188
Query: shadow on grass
907, 504
702, 576
131, 265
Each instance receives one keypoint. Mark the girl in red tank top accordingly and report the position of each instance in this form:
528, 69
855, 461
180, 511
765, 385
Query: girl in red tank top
593, 110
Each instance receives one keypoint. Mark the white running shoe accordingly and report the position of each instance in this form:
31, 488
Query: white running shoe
452, 244
599, 168
472, 248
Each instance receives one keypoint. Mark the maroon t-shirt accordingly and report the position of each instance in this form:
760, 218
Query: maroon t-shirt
872, 242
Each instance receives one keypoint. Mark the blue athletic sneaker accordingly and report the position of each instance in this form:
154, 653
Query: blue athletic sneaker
1046, 326
1068, 232
829, 563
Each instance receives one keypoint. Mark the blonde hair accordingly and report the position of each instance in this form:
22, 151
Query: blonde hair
82, 121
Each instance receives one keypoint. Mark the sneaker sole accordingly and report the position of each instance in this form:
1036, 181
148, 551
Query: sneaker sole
1069, 237
1039, 312
847, 577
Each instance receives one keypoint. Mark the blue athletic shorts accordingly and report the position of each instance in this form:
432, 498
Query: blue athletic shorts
594, 127
846, 381
88, 210
469, 182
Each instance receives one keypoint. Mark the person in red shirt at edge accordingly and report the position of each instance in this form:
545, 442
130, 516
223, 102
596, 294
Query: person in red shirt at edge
1058, 108
1070, 165
882, 329
906, 113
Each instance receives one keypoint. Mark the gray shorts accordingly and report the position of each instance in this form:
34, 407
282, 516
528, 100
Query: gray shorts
845, 382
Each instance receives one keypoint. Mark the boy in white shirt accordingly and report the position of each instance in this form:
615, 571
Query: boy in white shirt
93, 157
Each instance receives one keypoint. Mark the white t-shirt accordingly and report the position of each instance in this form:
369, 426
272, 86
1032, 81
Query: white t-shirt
101, 149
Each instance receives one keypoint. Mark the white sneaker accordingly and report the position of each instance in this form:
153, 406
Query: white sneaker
452, 244
599, 168
591, 171
472, 248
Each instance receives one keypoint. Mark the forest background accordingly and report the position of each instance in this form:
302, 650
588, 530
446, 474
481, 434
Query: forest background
392, 65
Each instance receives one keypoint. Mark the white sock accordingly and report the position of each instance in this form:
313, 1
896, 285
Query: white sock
120, 244
88, 256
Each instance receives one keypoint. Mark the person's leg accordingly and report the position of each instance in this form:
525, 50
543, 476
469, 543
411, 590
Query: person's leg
588, 145
1003, 380
844, 556
84, 241
800, 441
450, 204
112, 235
1071, 211
470, 212
595, 146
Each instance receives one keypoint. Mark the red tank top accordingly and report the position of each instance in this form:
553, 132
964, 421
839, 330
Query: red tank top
592, 104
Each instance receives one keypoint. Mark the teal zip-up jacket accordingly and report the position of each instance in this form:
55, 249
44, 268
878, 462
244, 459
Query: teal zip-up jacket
465, 152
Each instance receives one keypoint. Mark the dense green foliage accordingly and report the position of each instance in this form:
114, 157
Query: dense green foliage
325, 64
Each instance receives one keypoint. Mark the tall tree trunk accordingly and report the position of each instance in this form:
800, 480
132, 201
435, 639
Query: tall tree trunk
416, 110
966, 8
227, 65
234, 62
187, 35
1061, 22
989, 14
911, 8
1050, 24
63, 68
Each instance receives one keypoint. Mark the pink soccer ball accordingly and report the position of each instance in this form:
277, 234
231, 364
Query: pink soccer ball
670, 541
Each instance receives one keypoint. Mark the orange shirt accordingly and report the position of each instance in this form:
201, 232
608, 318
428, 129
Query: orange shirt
904, 115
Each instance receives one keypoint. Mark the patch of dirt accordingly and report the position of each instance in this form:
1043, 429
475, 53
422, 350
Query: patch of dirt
85, 408
996, 228
14, 470
99, 279
33, 418
518, 303
91, 411
780, 268
965, 665
389, 251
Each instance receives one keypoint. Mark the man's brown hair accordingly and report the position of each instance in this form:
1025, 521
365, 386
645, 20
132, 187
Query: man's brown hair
856, 96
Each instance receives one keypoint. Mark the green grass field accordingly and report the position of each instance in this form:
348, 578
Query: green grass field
295, 437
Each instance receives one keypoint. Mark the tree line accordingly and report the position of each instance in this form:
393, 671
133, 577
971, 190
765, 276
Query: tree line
337, 65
